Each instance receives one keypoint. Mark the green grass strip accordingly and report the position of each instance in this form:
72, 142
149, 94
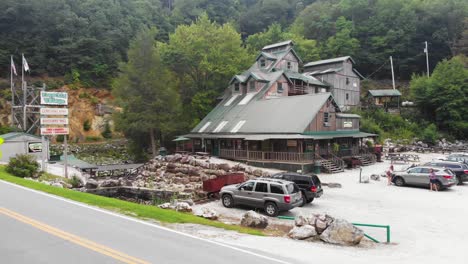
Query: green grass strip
124, 207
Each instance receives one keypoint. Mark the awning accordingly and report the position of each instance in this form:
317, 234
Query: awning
261, 137
181, 139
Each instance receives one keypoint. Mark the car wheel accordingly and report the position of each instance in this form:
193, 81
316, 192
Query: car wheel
310, 200
227, 201
399, 181
271, 209
304, 199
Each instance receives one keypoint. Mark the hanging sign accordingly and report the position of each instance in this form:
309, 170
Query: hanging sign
347, 124
54, 111
51, 131
54, 98
54, 121
34, 147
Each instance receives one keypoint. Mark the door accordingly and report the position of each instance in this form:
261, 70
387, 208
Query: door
260, 193
245, 194
411, 176
215, 148
423, 177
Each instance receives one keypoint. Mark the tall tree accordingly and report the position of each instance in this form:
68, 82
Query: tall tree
204, 56
146, 92
342, 43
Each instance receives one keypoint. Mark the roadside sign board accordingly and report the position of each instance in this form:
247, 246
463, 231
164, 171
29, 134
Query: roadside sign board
54, 98
51, 131
54, 111
34, 147
54, 121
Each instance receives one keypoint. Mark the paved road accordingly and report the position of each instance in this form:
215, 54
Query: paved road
39, 228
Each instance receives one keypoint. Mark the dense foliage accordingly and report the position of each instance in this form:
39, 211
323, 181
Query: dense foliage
23, 165
443, 97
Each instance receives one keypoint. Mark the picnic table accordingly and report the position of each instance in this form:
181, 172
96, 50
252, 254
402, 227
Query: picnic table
394, 157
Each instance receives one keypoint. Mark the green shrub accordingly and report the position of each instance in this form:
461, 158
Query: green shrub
84, 95
107, 133
429, 134
75, 182
23, 165
86, 125
94, 100
93, 138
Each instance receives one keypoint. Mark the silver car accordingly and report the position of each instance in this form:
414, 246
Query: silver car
419, 176
273, 195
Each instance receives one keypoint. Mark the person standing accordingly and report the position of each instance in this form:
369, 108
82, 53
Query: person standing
432, 180
390, 175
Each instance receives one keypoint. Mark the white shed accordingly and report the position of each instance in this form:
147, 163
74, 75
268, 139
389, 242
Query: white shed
22, 143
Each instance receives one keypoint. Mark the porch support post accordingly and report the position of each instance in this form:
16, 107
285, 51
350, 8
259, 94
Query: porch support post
247, 149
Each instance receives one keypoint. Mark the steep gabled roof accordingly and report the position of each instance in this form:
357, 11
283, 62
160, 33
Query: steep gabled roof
266, 55
279, 44
305, 78
287, 115
321, 62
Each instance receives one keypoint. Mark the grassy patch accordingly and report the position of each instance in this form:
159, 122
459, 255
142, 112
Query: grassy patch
142, 211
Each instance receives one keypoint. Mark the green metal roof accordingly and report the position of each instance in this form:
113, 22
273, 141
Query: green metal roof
339, 134
75, 162
385, 92
302, 77
328, 61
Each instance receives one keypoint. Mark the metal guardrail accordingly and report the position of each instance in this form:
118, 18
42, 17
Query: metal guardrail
387, 227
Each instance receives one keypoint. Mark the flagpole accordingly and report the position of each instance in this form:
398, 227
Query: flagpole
24, 92
393, 75
12, 91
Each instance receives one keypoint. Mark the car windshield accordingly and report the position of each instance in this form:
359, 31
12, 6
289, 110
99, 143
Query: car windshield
292, 188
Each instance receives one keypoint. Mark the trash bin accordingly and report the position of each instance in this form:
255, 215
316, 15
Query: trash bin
162, 151
317, 166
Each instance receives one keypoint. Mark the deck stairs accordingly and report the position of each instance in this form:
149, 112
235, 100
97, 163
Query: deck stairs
332, 165
367, 159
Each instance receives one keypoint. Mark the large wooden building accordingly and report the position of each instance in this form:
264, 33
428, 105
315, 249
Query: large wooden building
343, 78
272, 115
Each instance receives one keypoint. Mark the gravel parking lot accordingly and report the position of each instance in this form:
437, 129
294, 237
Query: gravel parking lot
426, 227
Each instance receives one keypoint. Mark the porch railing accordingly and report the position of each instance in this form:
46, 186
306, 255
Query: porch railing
266, 155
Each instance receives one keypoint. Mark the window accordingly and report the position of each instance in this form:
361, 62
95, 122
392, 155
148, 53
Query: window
289, 65
238, 126
262, 63
326, 117
248, 186
347, 80
261, 187
292, 188
415, 170
252, 86
424, 170
347, 96
279, 89
205, 126
276, 189
220, 126
236, 87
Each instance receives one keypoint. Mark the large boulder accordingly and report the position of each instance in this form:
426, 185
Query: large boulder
301, 220
165, 206
183, 207
253, 219
57, 184
342, 232
207, 213
302, 232
224, 166
91, 184
109, 183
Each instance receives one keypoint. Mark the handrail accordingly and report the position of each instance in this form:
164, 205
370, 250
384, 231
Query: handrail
338, 161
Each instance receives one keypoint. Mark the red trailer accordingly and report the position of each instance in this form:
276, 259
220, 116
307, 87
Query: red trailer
213, 186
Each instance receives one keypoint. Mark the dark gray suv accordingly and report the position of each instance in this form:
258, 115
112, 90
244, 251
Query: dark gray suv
273, 195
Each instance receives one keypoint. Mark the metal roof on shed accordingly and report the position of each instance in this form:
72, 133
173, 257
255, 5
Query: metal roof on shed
385, 92
321, 62
12, 135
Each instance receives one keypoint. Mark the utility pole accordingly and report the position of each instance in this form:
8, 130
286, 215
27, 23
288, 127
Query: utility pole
426, 50
393, 75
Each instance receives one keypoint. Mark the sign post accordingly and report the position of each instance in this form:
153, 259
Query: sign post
58, 123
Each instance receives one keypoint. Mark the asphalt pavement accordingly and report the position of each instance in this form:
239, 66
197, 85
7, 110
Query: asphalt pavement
41, 228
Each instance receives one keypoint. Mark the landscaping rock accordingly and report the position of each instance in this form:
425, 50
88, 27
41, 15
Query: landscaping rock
342, 232
91, 184
334, 185
57, 184
165, 206
302, 232
255, 220
109, 183
375, 177
183, 207
301, 220
207, 213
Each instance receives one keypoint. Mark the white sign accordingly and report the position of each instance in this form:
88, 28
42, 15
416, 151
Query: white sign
54, 111
54, 121
34, 147
54, 98
51, 131
347, 124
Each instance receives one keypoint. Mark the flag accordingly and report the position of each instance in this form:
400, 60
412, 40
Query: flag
25, 64
425, 50
13, 68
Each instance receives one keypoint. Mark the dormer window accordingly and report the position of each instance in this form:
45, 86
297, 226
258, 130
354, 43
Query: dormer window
236, 87
262, 63
252, 86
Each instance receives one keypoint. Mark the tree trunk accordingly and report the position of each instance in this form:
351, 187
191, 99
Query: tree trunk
153, 142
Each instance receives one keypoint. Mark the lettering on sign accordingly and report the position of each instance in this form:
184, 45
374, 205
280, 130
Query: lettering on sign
54, 98
54, 111
51, 131
54, 121
34, 147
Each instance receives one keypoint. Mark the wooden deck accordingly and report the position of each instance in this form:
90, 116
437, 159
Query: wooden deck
266, 156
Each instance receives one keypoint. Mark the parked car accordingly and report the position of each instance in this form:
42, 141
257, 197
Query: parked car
273, 195
419, 176
460, 169
458, 157
310, 185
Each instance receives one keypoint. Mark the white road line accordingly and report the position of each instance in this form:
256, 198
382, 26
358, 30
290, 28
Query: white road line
144, 222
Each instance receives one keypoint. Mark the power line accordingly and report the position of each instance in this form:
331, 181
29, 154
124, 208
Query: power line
377, 70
